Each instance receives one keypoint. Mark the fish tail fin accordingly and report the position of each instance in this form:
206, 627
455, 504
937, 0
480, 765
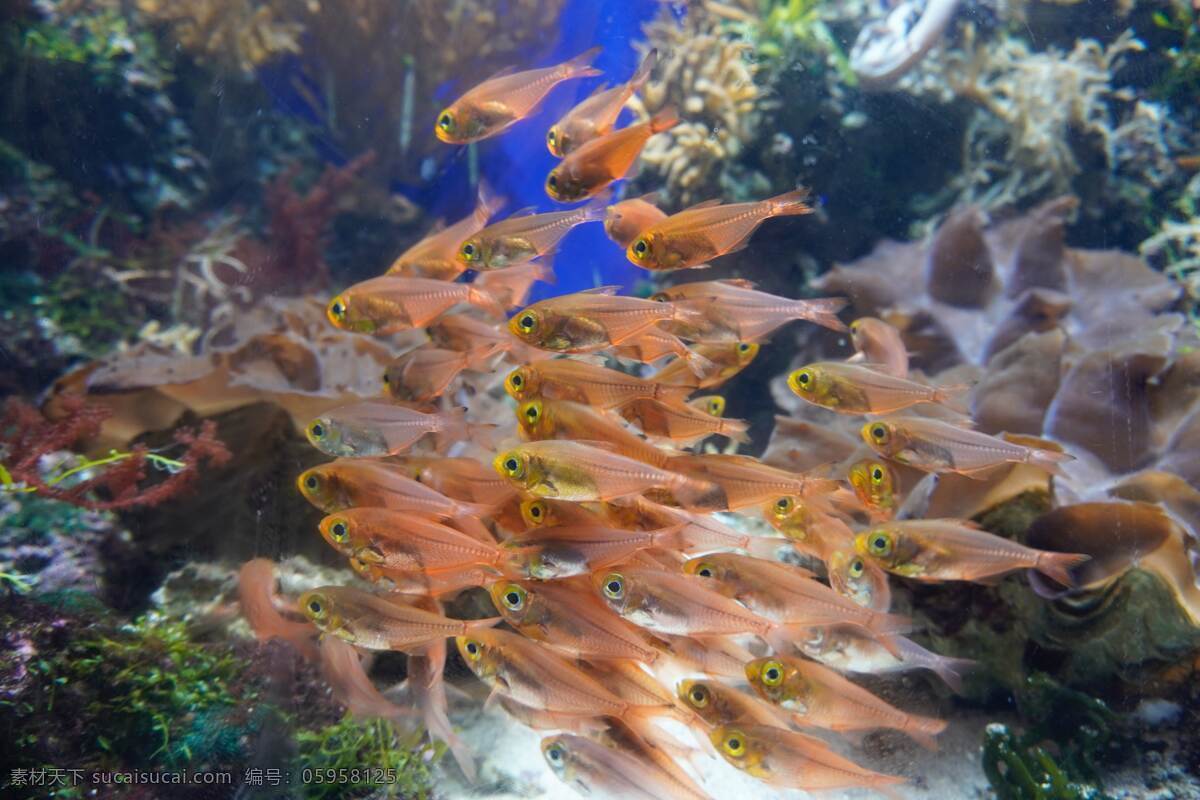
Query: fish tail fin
480, 353
481, 299
643, 71
455, 428
544, 271
671, 537
823, 311
924, 729
1049, 460
953, 396
736, 429
480, 624
581, 65
789, 203
670, 393
1057, 566
694, 493
664, 120
596, 209
437, 723
488, 203
952, 670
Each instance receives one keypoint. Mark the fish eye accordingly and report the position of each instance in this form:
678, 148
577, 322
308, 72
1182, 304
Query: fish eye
337, 310
469, 251
516, 380
772, 673
783, 506
705, 571
533, 412
698, 696
803, 377
552, 181
315, 607
640, 247
527, 322
743, 347
856, 568
734, 744
879, 433
338, 530
714, 407
880, 544
514, 597
311, 483
555, 754
877, 474
854, 326
446, 121
551, 136
535, 511
512, 464
316, 430
614, 586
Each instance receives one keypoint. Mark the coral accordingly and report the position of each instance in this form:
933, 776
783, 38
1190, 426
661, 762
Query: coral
710, 78
1177, 245
354, 755
26, 438
234, 33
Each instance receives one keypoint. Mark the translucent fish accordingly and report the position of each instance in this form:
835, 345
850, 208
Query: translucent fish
574, 471
376, 623
596, 115
623, 221
733, 310
875, 485
511, 287
694, 236
256, 596
417, 582
342, 668
371, 428
674, 603
597, 770
787, 594
854, 389
506, 98
745, 481
423, 374
790, 759
562, 419
548, 553
682, 424
396, 540
588, 170
849, 649
390, 304
548, 513
819, 697
654, 344
566, 616
879, 344
859, 579
711, 404
524, 237
348, 483
435, 255
720, 704
936, 446
461, 478
954, 550
730, 358
712, 655
810, 530
582, 382
585, 322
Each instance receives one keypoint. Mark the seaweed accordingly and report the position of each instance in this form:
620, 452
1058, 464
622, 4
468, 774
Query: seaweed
1017, 771
365, 756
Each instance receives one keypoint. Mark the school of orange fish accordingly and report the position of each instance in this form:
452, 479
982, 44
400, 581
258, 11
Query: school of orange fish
628, 604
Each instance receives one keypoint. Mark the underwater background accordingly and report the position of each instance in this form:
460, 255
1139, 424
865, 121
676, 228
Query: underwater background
197, 197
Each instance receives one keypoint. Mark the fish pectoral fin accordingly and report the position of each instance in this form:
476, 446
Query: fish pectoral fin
493, 697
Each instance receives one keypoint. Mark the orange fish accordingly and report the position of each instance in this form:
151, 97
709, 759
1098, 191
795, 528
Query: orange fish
879, 344
342, 668
746, 481
567, 617
936, 446
461, 478
433, 584
511, 286
547, 513
853, 576
573, 471
391, 304
376, 623
371, 428
423, 374
789, 759
435, 256
262, 610
694, 236
597, 769
711, 404
562, 419
711, 655
523, 237
397, 541
730, 358
733, 310
819, 697
653, 344
719, 704
623, 221
674, 603
854, 389
583, 382
788, 594
682, 424
849, 649
465, 333
810, 530
506, 98
549, 553
954, 550
875, 485
588, 321
596, 164
349, 483
596, 115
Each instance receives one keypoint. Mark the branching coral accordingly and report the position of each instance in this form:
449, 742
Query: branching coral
711, 79
26, 437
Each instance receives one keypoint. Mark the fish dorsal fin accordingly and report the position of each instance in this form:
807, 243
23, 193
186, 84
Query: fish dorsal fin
650, 197
527, 211
599, 444
740, 283
716, 201
609, 290
500, 73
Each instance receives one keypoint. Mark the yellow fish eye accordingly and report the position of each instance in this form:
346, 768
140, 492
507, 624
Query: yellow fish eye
660, 297
856, 568
472, 650
337, 309
734, 744
534, 511
532, 411
877, 473
527, 322
446, 121
698, 695
743, 347
784, 506
772, 673
552, 137
555, 754
314, 607
716, 406
878, 432
614, 586
317, 430
339, 531
705, 570
512, 465
552, 181
513, 597
854, 326
804, 380
640, 248
880, 544
469, 251
311, 481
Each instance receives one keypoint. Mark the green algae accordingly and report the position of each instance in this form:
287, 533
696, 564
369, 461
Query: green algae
365, 757
1028, 772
